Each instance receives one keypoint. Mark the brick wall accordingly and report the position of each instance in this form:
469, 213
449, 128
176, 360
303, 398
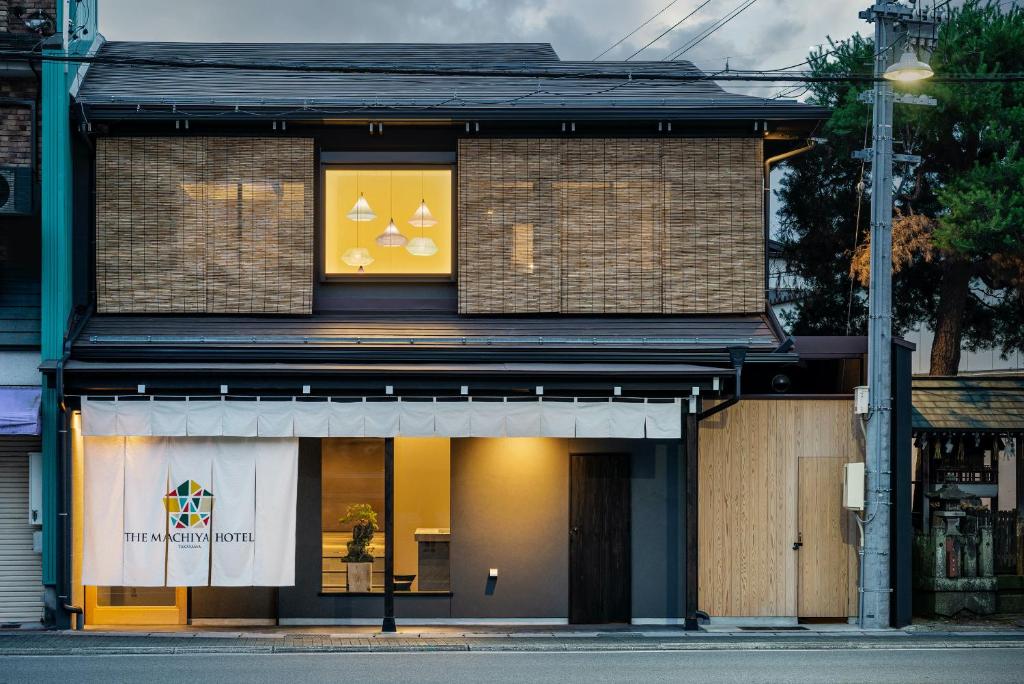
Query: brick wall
16, 123
9, 21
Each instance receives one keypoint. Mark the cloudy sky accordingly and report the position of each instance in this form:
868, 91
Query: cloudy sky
768, 34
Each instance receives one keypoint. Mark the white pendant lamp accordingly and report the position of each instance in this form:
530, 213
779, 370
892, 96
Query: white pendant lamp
423, 218
361, 211
391, 237
357, 256
422, 247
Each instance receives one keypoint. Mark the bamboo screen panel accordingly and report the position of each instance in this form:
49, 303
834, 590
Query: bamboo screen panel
662, 225
204, 225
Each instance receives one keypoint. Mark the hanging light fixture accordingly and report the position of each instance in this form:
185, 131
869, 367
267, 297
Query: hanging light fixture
423, 218
359, 256
361, 210
909, 68
422, 246
391, 237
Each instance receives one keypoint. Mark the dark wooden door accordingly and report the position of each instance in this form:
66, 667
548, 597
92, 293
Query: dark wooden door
599, 556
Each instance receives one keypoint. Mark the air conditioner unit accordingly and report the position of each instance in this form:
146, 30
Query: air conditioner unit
15, 190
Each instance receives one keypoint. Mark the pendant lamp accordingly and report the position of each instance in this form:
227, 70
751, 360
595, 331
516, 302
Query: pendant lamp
391, 237
357, 256
421, 246
423, 218
361, 210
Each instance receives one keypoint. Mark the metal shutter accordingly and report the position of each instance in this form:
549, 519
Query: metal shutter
21, 589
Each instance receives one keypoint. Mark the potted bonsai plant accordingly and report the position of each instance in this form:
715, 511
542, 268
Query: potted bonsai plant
358, 560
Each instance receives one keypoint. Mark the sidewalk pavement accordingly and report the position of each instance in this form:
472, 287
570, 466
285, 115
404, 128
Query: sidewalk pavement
147, 641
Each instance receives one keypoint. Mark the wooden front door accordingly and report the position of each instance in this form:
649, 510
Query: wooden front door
599, 539
823, 572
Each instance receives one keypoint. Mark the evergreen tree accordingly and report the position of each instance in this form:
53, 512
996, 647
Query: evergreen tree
958, 229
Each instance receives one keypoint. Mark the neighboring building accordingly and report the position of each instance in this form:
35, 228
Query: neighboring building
21, 589
504, 312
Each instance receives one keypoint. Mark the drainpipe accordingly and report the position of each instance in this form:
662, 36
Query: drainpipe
768, 162
66, 581
737, 355
690, 428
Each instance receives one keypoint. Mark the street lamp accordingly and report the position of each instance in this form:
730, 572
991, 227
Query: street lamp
894, 23
908, 69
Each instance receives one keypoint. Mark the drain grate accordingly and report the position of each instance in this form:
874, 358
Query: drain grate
778, 628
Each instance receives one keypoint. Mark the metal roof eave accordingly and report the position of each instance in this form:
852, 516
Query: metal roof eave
313, 113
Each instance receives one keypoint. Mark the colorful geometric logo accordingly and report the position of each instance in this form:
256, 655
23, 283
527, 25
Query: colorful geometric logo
188, 505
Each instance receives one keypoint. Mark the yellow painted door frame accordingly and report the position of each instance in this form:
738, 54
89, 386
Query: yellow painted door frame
86, 597
96, 614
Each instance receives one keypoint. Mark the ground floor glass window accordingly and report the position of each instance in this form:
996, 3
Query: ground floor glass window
352, 506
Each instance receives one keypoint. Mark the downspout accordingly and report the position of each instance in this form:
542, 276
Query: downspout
737, 355
67, 542
766, 202
690, 428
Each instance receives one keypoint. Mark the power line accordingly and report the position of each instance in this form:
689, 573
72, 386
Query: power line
625, 37
553, 73
697, 40
668, 30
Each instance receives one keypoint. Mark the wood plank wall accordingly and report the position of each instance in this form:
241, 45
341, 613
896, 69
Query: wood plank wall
204, 225
749, 501
667, 225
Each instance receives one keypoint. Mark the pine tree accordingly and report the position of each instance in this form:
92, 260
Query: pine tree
958, 229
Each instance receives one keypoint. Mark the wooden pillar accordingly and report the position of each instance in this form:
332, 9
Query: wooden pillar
690, 427
389, 536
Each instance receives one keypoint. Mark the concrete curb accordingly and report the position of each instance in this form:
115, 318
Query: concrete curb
495, 645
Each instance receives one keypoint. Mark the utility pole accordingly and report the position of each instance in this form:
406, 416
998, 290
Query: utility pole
894, 24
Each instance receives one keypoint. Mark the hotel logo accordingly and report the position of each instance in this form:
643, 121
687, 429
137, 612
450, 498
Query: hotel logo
188, 506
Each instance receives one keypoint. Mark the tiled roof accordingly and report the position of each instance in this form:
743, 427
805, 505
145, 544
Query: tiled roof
565, 88
969, 403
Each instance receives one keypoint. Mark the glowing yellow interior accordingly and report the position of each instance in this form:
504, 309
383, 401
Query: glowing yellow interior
392, 194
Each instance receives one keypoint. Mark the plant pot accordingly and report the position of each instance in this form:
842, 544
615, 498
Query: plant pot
359, 576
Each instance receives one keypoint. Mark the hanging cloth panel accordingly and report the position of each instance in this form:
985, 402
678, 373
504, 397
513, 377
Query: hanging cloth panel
188, 521
277, 477
103, 511
234, 525
217, 512
145, 511
481, 417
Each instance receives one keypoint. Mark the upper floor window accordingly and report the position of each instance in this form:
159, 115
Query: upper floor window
388, 221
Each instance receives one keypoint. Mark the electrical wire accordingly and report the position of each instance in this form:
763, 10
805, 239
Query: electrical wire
563, 73
669, 30
697, 40
625, 37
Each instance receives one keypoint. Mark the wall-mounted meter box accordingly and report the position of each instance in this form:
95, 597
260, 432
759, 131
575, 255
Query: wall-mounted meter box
853, 486
860, 400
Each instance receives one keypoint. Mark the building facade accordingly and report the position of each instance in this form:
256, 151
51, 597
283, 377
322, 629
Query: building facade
21, 587
438, 333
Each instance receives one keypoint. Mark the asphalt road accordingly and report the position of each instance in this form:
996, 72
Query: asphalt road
989, 665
